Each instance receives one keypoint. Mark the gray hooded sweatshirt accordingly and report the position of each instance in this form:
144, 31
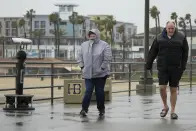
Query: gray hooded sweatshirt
94, 57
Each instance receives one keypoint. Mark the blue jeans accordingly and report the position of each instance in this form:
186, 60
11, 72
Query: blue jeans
99, 84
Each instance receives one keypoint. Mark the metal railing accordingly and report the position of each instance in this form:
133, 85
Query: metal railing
53, 75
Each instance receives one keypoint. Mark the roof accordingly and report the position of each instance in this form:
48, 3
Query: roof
64, 4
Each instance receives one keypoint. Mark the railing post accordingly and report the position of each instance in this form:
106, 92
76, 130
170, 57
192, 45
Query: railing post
190, 76
129, 79
52, 83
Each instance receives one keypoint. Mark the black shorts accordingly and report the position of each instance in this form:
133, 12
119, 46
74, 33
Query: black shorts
171, 76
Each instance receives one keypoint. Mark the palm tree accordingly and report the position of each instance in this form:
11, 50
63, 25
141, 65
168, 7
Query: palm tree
38, 34
104, 22
121, 30
2, 39
22, 25
182, 24
110, 25
174, 17
15, 25
0, 28
54, 19
30, 15
100, 26
81, 20
158, 19
99, 23
154, 12
188, 18
73, 19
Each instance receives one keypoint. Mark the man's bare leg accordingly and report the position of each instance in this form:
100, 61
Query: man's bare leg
173, 98
163, 93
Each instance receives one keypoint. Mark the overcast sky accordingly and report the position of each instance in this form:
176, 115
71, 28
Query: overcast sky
123, 10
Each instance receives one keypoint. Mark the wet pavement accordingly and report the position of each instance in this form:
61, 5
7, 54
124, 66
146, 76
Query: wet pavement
136, 113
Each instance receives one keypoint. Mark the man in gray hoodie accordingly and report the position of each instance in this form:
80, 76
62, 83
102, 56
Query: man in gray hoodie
94, 60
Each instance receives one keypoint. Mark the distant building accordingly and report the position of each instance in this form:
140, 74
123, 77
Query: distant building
46, 41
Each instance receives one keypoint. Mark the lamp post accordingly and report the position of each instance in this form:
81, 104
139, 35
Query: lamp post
146, 39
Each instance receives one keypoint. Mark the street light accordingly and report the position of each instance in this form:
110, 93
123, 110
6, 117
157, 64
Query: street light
146, 39
3, 41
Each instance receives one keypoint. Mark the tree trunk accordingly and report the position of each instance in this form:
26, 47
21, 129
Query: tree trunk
111, 32
159, 24
84, 31
16, 30
123, 68
74, 41
3, 48
114, 54
31, 21
39, 46
55, 37
185, 29
58, 38
106, 35
156, 25
176, 21
24, 31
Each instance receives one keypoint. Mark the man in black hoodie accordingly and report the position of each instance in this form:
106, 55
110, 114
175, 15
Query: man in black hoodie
171, 50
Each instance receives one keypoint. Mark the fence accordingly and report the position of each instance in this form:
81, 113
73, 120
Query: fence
130, 74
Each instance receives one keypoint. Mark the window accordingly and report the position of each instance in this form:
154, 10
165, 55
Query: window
71, 54
51, 31
129, 31
70, 9
7, 32
134, 32
14, 32
61, 54
65, 54
7, 24
42, 42
43, 24
14, 24
48, 53
61, 9
43, 32
36, 24
117, 36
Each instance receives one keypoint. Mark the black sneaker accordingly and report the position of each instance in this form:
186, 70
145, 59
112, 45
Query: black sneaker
174, 116
101, 113
83, 113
